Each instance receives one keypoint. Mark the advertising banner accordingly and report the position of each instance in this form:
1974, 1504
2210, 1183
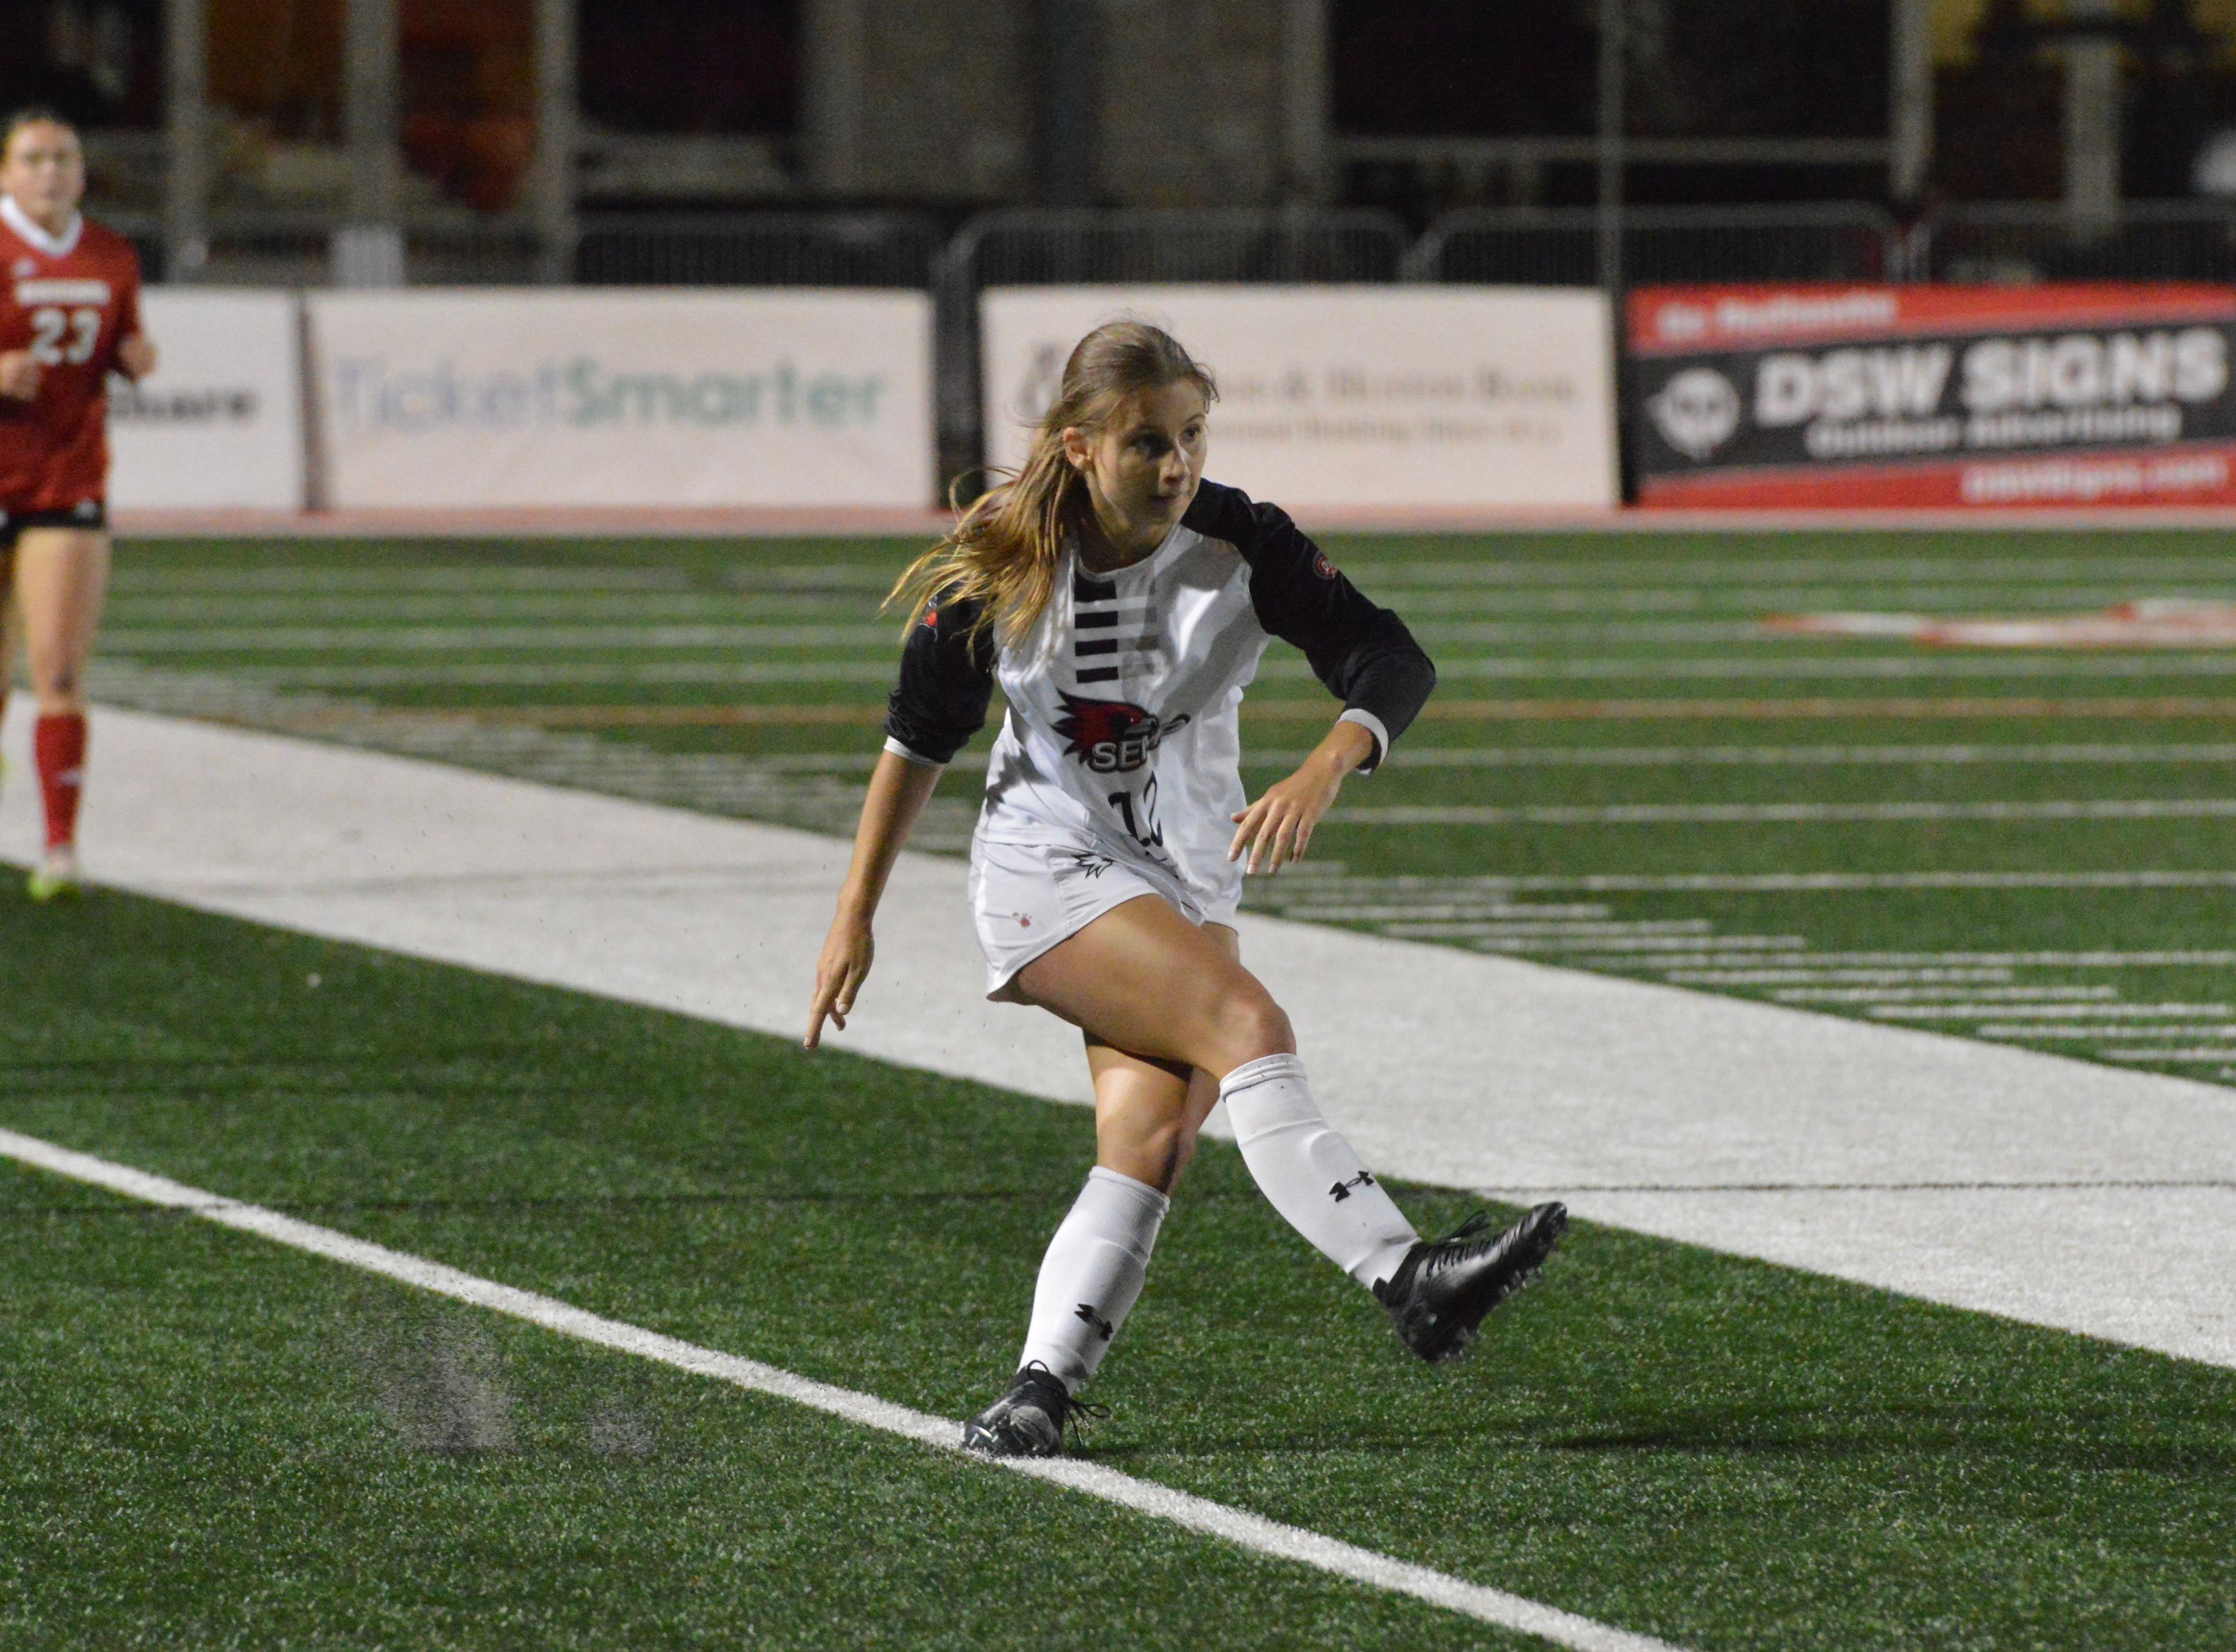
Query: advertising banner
2077, 394
219, 424
536, 399
1350, 396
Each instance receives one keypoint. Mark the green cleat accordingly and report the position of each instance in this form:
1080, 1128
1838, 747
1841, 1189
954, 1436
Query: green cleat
56, 878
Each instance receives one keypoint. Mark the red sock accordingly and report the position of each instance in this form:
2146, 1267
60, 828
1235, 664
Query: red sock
59, 744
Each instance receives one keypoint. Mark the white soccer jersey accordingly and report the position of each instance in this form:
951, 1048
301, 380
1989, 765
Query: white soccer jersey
1121, 729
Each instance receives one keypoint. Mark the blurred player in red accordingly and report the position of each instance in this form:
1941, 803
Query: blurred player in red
69, 316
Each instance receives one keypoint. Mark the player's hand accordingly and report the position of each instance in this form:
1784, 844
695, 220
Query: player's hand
135, 353
839, 975
1276, 829
19, 375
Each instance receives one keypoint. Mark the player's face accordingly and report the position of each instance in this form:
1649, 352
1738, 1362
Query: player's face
1143, 465
44, 170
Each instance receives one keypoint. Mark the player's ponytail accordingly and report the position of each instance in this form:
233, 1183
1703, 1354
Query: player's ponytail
1004, 551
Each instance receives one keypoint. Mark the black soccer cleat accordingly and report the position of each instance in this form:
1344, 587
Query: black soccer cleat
1027, 1420
1443, 1288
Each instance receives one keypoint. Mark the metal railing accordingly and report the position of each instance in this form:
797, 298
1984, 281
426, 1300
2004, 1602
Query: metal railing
1558, 246
756, 250
2149, 240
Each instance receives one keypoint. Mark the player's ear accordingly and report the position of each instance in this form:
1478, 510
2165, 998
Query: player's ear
1076, 448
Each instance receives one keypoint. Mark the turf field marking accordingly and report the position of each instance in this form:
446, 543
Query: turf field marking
1237, 1526
1819, 963
1407, 814
2023, 1030
2049, 1011
1403, 756
1879, 708
492, 639
1840, 667
1843, 882
1703, 976
1996, 995
1690, 945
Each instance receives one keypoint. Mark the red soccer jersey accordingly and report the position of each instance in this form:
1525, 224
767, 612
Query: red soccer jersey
69, 302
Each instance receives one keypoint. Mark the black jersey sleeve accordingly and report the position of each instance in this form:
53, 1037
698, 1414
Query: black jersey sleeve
1363, 652
947, 677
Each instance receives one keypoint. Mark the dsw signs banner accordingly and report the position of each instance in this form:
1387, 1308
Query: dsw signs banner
513, 398
2094, 393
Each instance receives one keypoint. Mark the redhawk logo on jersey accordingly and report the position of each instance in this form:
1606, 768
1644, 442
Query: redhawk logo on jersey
1111, 736
1322, 566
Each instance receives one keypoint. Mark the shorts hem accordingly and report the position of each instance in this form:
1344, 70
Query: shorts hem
14, 522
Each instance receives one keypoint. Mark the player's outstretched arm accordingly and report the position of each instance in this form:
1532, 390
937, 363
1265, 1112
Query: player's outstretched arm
135, 356
899, 791
1275, 830
19, 375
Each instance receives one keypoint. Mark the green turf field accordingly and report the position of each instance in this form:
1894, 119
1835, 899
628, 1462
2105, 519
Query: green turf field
1625, 769
212, 1442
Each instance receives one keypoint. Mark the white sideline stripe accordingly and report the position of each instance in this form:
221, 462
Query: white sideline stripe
1237, 1526
2103, 1034
1709, 976
2185, 808
489, 639
1998, 996
2049, 1011
1825, 882
1404, 756
650, 639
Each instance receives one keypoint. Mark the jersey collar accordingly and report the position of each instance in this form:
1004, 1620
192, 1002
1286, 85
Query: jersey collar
26, 230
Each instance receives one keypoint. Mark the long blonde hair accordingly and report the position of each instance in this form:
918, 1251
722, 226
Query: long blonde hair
1003, 552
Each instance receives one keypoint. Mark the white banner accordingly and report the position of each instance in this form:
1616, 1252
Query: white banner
529, 398
219, 422
1344, 396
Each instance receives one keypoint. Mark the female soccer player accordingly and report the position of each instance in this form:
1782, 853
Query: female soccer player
70, 316
1122, 603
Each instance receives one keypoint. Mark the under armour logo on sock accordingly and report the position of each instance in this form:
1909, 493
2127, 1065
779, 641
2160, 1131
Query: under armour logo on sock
1341, 1191
1103, 1329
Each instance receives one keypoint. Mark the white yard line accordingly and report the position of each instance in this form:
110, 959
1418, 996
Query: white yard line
1828, 667
2049, 1011
1238, 1526
1407, 755
498, 639
1404, 814
2100, 1034
1626, 883
1457, 1068
1998, 996
1702, 977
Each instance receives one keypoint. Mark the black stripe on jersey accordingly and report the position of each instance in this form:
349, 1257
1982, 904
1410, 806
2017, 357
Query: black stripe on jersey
1094, 622
1088, 645
1100, 673
1084, 589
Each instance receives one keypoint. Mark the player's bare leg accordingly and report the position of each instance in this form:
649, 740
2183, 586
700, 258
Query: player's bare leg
8, 627
1148, 1113
62, 577
1144, 978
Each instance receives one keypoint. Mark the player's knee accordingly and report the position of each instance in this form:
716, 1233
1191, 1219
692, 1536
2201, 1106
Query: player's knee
1250, 1024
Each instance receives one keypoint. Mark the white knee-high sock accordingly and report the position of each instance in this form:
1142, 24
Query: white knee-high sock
1309, 1173
1091, 1274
